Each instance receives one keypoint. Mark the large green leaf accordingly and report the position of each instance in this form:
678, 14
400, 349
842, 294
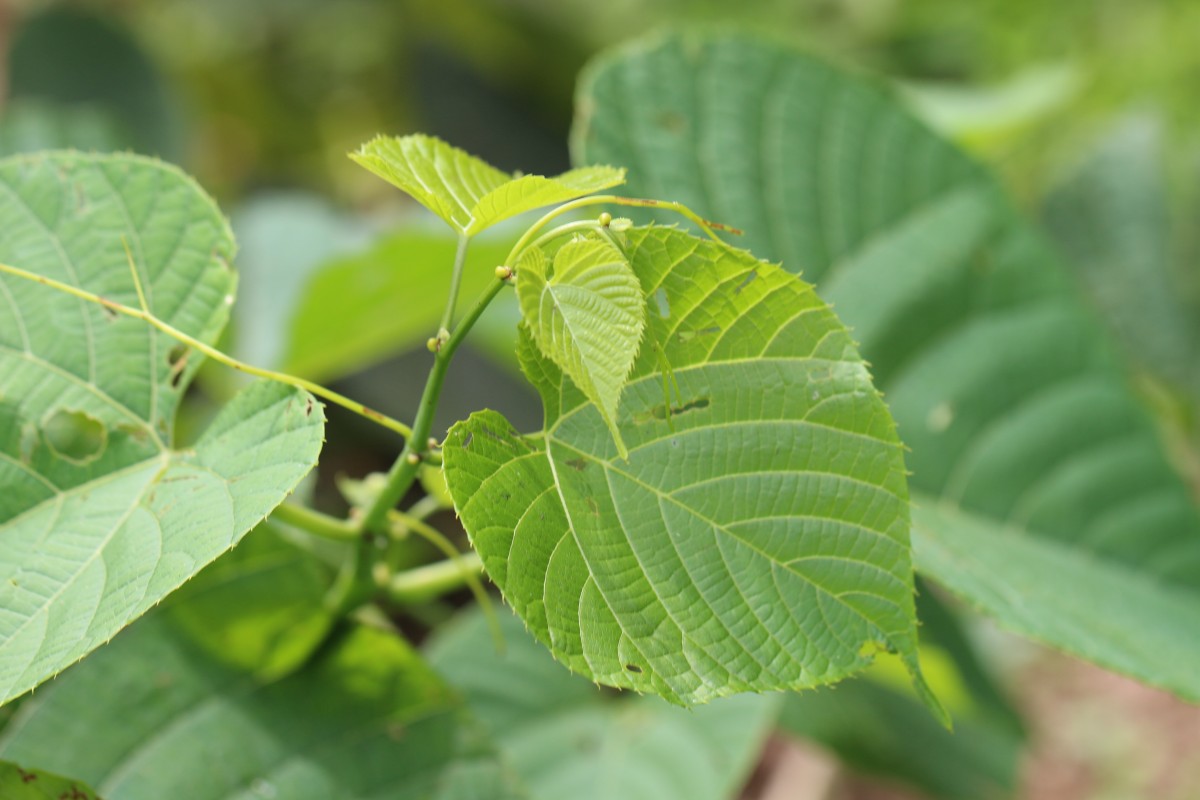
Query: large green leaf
1110, 216
99, 517
17, 783
1000, 380
359, 308
756, 537
567, 739
468, 193
587, 317
150, 717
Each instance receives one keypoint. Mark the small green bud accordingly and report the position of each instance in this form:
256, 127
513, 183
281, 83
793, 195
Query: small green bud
503, 272
431, 344
605, 219
413, 458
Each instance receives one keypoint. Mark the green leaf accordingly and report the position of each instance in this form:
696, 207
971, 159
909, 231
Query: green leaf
587, 317
150, 717
1015, 407
882, 732
100, 517
756, 537
31, 784
1113, 615
567, 739
1110, 216
470, 194
260, 607
356, 309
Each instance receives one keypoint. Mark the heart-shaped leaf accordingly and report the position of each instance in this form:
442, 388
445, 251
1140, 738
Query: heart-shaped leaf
100, 518
587, 317
1027, 443
467, 192
757, 536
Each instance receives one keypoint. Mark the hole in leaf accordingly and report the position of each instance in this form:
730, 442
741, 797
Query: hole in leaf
177, 360
750, 276
664, 305
75, 436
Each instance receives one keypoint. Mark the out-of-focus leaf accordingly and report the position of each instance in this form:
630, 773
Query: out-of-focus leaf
1110, 217
882, 732
1017, 410
260, 607
567, 738
756, 536
71, 56
32, 784
387, 299
466, 192
150, 717
30, 125
283, 239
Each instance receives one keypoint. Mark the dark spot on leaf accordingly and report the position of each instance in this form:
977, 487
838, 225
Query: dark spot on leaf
308, 406
634, 668
595, 509
26, 777
750, 276
578, 464
664, 412
75, 436
109, 313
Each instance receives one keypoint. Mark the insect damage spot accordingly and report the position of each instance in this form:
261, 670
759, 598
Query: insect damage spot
687, 336
750, 276
634, 668
663, 304
466, 442
666, 412
578, 464
177, 358
75, 436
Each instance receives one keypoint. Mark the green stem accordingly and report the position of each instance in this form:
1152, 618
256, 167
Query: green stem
433, 580
402, 474
460, 259
468, 567
210, 351
314, 522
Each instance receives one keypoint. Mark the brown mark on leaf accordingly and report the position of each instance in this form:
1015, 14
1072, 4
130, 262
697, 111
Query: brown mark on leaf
578, 464
26, 777
595, 509
634, 668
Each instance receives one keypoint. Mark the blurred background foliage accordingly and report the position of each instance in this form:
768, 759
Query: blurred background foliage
1089, 112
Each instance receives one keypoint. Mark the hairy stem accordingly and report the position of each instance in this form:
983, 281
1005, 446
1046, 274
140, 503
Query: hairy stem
404, 471
212, 352
424, 583
314, 522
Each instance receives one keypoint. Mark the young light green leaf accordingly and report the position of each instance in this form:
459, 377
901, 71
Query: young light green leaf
587, 317
757, 536
17, 783
150, 717
565, 739
467, 192
1017, 409
100, 517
